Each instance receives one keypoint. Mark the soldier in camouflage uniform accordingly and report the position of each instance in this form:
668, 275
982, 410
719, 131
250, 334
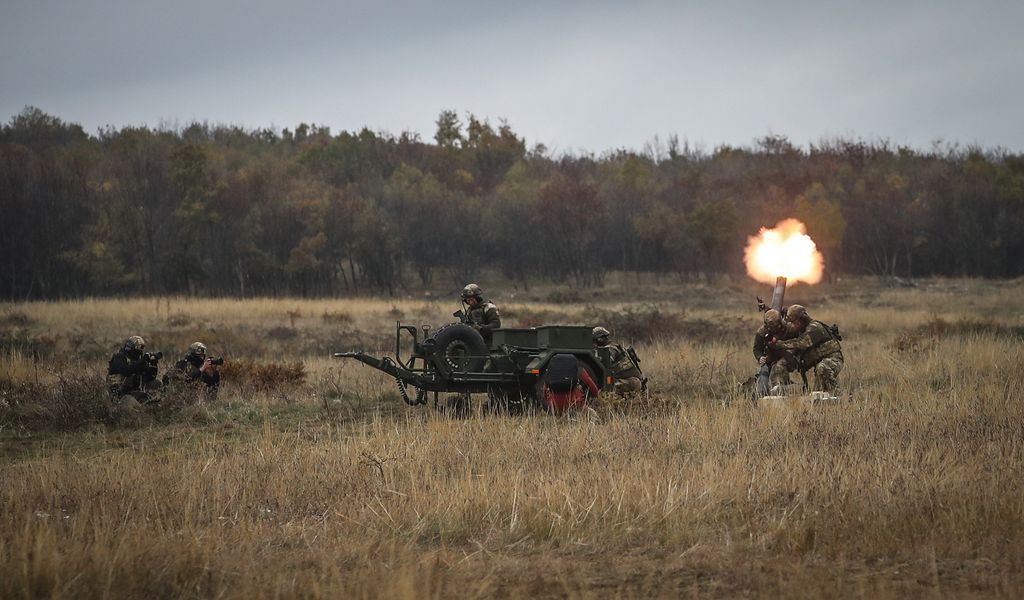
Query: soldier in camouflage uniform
624, 371
132, 370
481, 314
816, 346
195, 368
773, 328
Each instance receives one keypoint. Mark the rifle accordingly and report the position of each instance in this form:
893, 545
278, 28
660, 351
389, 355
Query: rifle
633, 358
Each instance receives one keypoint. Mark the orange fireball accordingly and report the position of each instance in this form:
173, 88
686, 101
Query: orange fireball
784, 251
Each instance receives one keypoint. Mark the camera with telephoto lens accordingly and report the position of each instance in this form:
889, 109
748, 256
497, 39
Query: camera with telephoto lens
152, 357
217, 361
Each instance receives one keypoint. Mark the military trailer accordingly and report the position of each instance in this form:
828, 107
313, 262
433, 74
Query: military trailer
512, 369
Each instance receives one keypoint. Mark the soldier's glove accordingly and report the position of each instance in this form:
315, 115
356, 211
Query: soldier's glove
207, 367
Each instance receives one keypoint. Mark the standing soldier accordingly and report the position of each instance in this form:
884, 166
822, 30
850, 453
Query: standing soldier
197, 368
816, 346
627, 375
481, 314
132, 370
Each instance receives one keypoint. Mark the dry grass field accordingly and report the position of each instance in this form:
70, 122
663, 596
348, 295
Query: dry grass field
325, 485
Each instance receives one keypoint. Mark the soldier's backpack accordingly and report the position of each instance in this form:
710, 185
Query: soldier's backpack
832, 329
563, 373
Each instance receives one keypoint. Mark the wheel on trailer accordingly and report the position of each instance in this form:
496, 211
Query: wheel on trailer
461, 346
535, 395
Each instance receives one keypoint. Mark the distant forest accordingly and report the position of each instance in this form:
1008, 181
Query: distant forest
222, 210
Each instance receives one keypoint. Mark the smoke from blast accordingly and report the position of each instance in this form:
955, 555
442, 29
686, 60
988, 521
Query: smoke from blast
783, 251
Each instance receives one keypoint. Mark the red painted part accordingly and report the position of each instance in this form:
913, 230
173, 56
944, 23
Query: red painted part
560, 402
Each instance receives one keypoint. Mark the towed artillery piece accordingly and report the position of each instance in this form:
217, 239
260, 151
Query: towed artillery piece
512, 369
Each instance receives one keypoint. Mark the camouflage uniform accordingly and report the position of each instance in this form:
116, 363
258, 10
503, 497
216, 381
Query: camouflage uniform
772, 328
625, 374
818, 350
188, 370
484, 316
129, 371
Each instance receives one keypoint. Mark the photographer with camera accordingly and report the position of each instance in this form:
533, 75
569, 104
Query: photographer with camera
132, 370
196, 368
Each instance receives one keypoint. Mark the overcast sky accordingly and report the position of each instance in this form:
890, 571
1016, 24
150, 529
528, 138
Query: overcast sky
579, 76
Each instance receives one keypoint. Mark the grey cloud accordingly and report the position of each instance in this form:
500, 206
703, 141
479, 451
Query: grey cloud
585, 75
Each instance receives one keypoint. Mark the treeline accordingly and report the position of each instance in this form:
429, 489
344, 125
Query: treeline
218, 210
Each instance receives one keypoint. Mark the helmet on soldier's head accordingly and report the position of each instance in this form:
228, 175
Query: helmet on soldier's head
601, 335
797, 313
197, 349
135, 344
772, 318
472, 291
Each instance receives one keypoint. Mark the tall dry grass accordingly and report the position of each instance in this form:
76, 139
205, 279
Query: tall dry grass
912, 485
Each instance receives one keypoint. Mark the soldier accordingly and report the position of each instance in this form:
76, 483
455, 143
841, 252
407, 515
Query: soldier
132, 370
626, 373
816, 345
481, 314
196, 368
777, 371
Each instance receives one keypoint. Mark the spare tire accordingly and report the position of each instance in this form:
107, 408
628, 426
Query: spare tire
461, 346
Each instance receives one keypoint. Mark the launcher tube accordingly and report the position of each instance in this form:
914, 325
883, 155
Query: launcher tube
779, 293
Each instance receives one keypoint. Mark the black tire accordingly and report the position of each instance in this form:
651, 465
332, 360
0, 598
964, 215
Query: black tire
461, 346
536, 395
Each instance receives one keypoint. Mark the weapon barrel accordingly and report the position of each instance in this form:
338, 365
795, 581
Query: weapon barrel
779, 293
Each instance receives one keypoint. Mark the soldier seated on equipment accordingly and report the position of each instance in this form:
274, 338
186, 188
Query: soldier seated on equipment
132, 370
816, 346
196, 368
626, 373
773, 328
481, 314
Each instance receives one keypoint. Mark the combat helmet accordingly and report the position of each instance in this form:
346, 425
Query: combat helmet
772, 318
197, 349
797, 313
134, 344
472, 291
600, 336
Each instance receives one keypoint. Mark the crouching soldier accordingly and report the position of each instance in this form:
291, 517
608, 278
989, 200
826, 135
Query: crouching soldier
773, 369
197, 369
624, 367
816, 346
132, 370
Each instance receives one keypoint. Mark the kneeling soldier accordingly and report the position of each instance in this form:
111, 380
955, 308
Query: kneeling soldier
196, 368
773, 370
816, 346
627, 375
132, 370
